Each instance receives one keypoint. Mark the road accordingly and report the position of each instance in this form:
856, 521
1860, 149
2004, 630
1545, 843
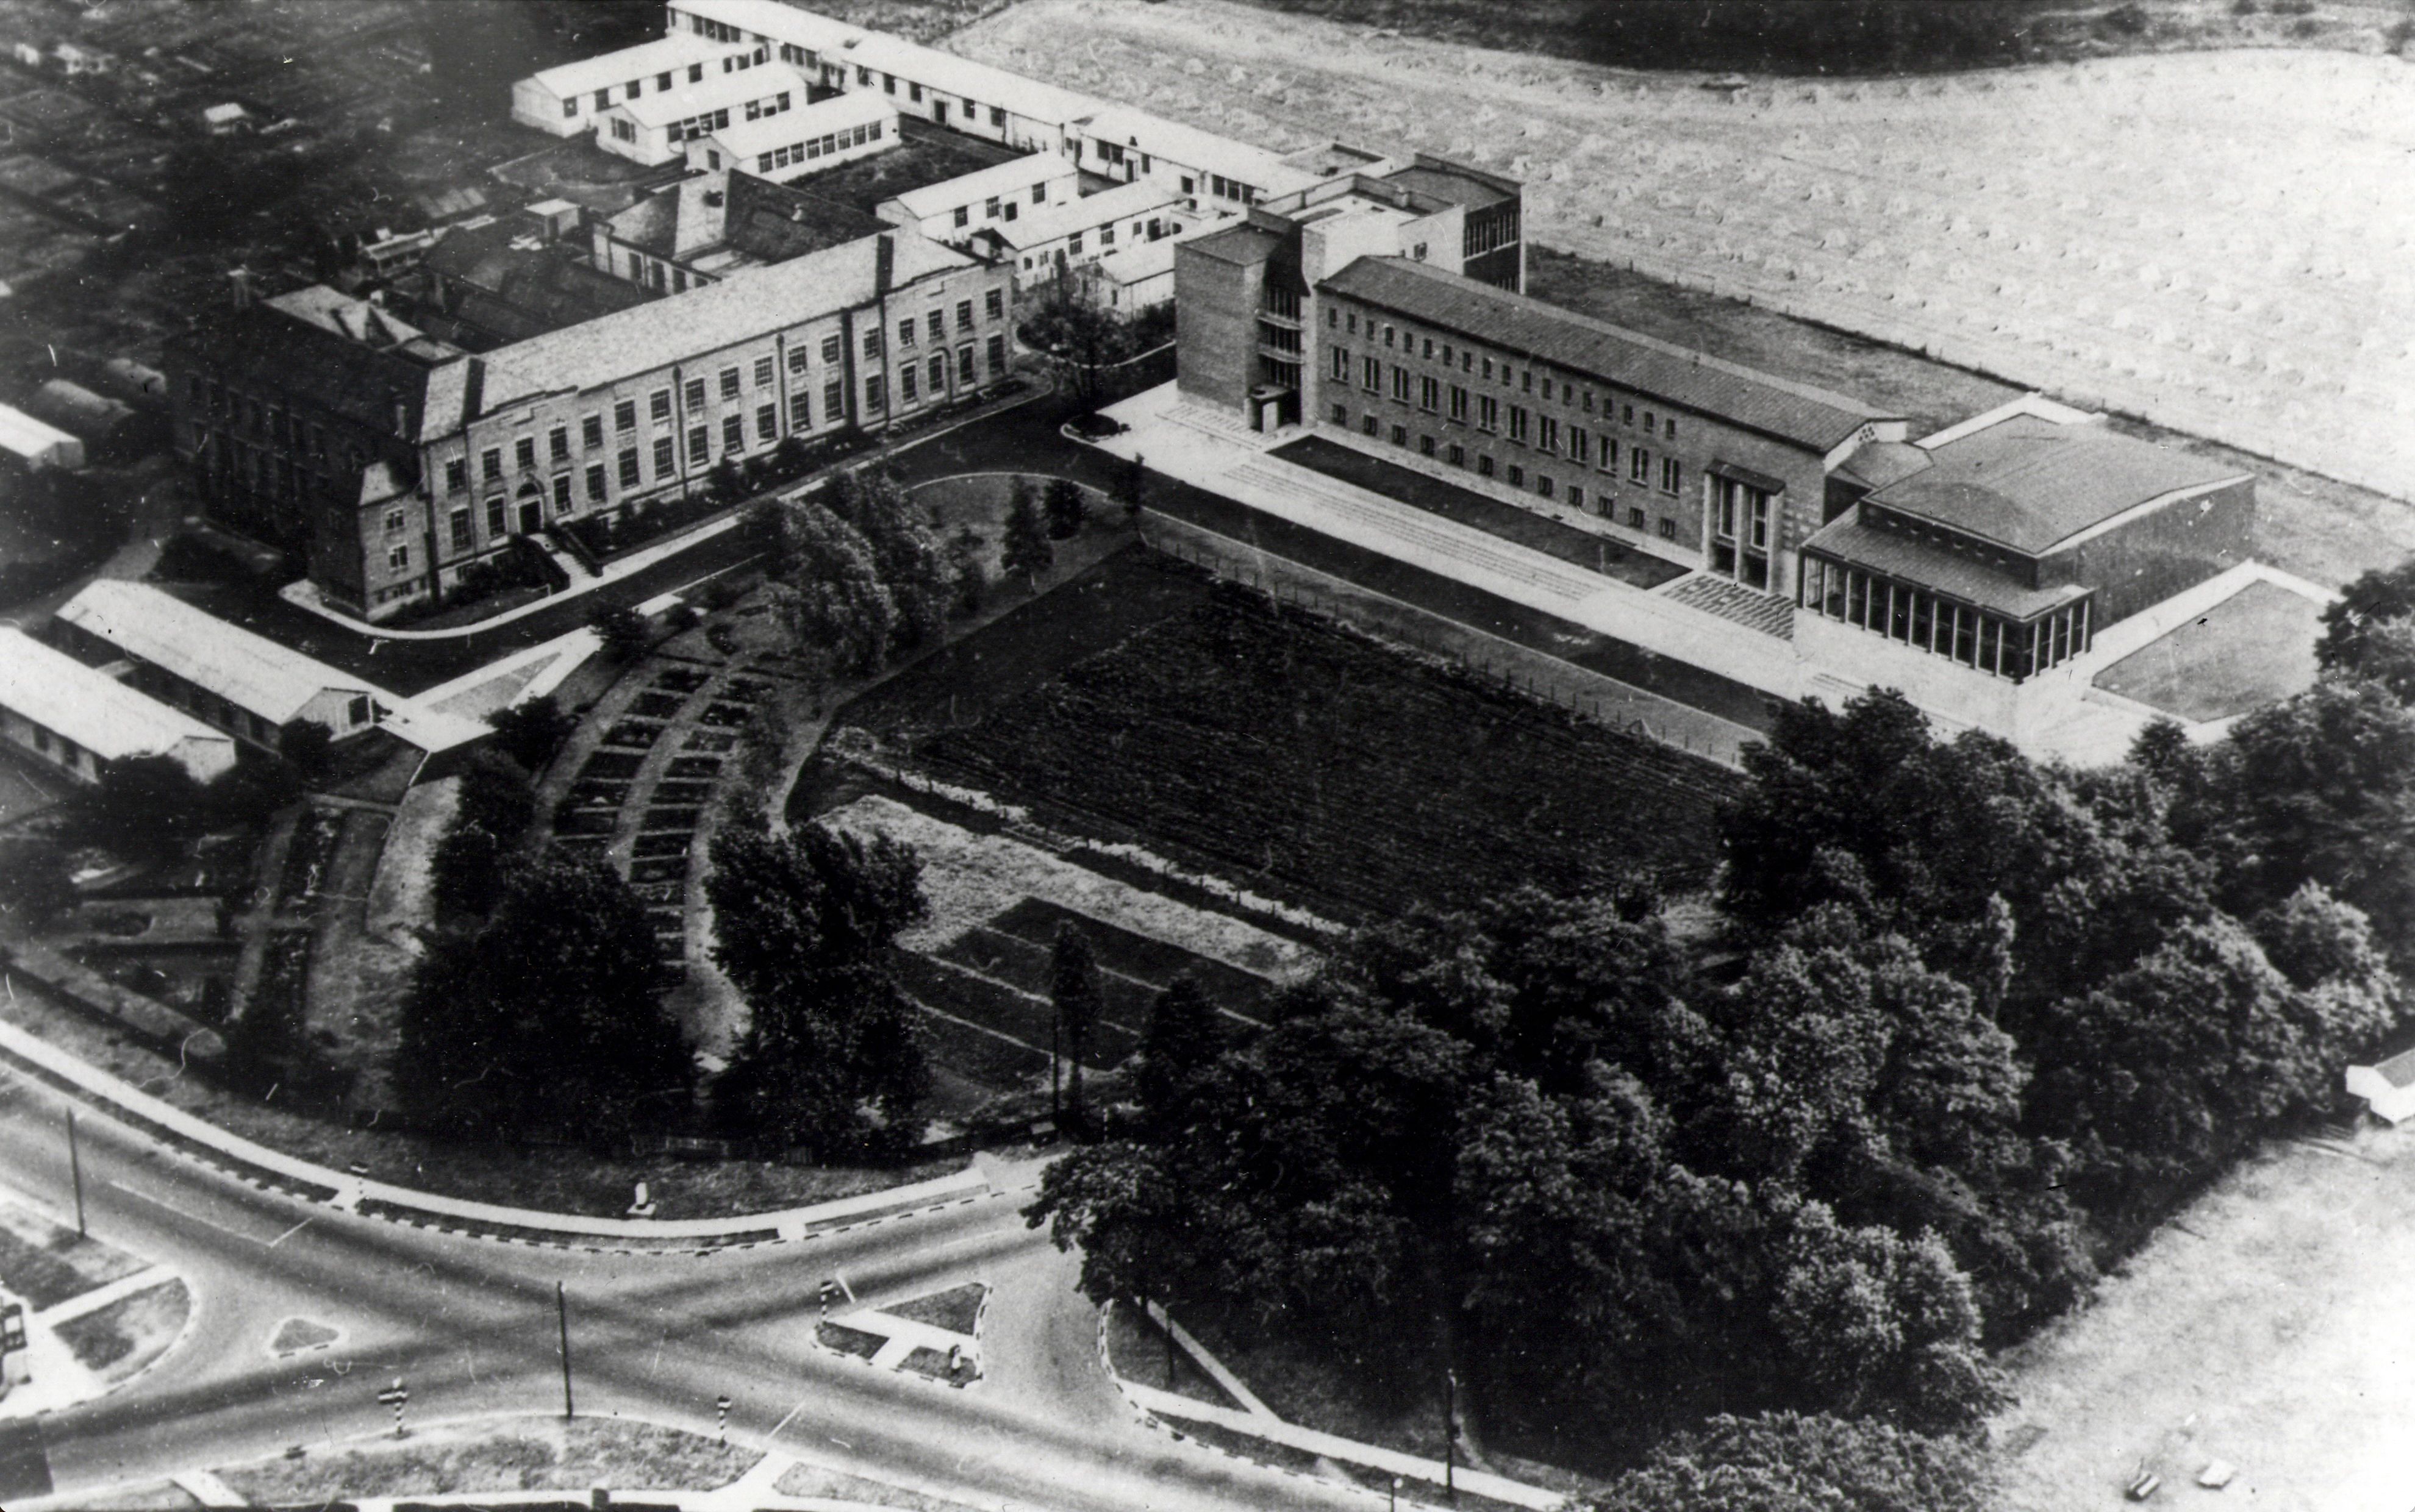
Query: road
470, 1325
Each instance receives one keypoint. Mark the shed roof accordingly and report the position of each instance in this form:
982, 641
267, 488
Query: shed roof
613, 69
87, 705
1000, 178
249, 671
1910, 559
1813, 418
2030, 484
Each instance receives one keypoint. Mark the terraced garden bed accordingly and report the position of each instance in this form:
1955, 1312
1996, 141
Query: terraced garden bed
671, 818
612, 766
681, 680
712, 741
660, 845
306, 858
597, 795
583, 821
1152, 960
682, 792
1293, 757
704, 768
1022, 1016
641, 734
655, 705
726, 714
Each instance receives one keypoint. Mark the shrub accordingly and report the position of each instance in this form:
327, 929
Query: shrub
623, 630
2124, 20
1066, 508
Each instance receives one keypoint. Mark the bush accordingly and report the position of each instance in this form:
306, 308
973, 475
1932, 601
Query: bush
1067, 508
530, 733
1096, 426
2124, 20
625, 632
195, 559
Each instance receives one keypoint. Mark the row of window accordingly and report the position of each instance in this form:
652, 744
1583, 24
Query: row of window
1914, 617
1527, 427
824, 145
1524, 380
1545, 485
281, 426
635, 87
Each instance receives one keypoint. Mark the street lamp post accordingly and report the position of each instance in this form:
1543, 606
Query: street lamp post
562, 1315
75, 1171
395, 1395
1450, 1435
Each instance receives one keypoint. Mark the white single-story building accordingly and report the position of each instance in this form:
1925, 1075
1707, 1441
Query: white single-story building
566, 101
77, 718
954, 210
1052, 238
37, 443
225, 119
791, 144
1208, 172
1137, 278
242, 683
2388, 1088
656, 127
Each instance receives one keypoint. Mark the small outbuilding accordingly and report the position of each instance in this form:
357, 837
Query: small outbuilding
35, 443
227, 119
2388, 1088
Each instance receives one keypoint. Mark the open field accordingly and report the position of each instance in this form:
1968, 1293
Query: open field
1294, 757
2116, 231
2260, 1326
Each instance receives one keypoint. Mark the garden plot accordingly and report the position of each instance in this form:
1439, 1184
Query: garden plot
2216, 241
1287, 756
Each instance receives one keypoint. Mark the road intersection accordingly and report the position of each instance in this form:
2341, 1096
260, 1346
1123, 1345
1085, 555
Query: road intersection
470, 1324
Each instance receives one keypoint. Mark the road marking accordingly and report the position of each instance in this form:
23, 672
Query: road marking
190, 1218
840, 1277
785, 1421
294, 1230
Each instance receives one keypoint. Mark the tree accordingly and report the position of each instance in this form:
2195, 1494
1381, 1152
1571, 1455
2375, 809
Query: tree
493, 805
143, 808
907, 558
1185, 1034
305, 743
725, 484
532, 732
1786, 1463
1871, 1317
970, 576
805, 926
1066, 508
1073, 992
833, 599
1131, 486
1026, 549
2358, 626
550, 1013
623, 631
35, 883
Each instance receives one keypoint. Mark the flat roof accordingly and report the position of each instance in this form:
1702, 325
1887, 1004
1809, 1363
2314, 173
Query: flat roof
973, 187
1910, 559
1240, 244
1460, 185
88, 706
27, 437
701, 320
1814, 418
249, 671
1135, 264
717, 91
613, 69
746, 139
2030, 484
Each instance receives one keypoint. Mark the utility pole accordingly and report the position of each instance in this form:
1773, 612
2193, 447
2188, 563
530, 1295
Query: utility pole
720, 1429
75, 1168
561, 1314
1450, 1435
1055, 1019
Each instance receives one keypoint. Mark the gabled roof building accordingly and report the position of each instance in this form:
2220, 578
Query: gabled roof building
79, 719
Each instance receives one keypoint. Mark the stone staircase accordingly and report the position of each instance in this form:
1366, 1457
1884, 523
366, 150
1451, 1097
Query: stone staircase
1734, 602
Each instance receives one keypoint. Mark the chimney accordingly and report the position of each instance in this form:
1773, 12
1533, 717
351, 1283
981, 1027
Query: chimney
884, 264
241, 279
402, 417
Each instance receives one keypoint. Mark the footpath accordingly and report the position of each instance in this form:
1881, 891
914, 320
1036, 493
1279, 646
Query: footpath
348, 1191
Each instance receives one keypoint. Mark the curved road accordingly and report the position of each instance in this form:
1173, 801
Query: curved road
470, 1324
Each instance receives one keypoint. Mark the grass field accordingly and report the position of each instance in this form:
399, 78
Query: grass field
1296, 758
2103, 230
2261, 1326
2253, 649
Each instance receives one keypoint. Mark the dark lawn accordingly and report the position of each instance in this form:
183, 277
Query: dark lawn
1586, 549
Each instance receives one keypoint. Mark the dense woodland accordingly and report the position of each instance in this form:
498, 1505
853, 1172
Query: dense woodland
1969, 1027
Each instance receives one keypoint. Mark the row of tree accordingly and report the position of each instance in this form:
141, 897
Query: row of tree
1967, 1025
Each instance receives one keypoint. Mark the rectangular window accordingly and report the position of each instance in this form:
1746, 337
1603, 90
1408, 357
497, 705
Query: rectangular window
832, 349
1579, 445
591, 432
699, 445
1672, 475
1371, 375
938, 322
1668, 529
833, 401
629, 478
1488, 413
456, 476
492, 463
1543, 484
767, 422
1517, 476
731, 386
872, 346
763, 372
561, 493
1576, 497
1340, 364
1639, 465
1342, 416
659, 406
494, 520
965, 365
1635, 519
557, 443
797, 358
694, 394
1400, 383
801, 412
1367, 425
875, 395
1518, 418
964, 314
733, 433
397, 520
595, 491
905, 332
463, 539
994, 304
1459, 404
996, 354
524, 452
398, 558
624, 415
939, 372
1547, 433
1609, 453
1483, 466
1458, 455
1429, 394
907, 389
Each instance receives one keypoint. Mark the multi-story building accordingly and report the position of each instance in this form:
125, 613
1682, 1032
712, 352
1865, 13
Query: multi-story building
396, 461
716, 225
785, 146
1707, 461
1247, 293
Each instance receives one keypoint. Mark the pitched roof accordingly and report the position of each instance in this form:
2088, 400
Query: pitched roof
1045, 223
87, 705
730, 209
249, 671
715, 92
1000, 178
613, 69
1190, 147
2029, 484
1814, 418
744, 140
25, 436
840, 42
288, 345
1910, 559
704, 319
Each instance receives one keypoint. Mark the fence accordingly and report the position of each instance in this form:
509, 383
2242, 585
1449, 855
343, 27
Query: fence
1461, 647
